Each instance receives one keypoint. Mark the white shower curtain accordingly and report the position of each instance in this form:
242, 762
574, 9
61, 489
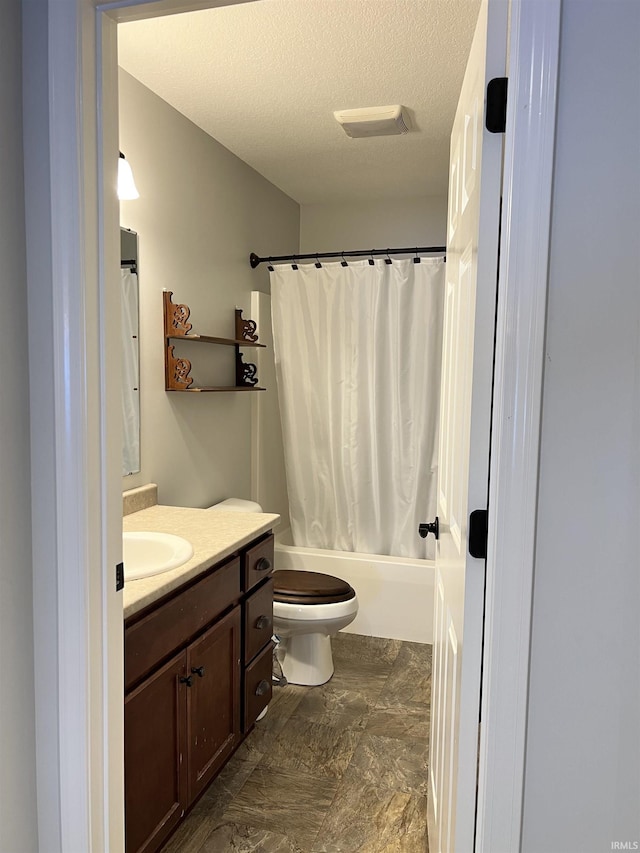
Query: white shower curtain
357, 353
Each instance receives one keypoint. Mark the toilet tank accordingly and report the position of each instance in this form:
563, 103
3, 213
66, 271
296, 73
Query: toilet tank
237, 505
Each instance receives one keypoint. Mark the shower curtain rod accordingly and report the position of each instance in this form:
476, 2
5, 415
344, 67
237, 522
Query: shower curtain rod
254, 259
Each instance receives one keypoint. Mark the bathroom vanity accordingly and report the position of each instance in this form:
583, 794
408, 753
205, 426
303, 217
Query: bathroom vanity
198, 663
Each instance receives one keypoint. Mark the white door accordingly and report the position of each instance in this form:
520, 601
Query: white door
467, 369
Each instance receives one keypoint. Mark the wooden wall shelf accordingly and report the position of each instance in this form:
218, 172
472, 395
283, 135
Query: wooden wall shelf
177, 370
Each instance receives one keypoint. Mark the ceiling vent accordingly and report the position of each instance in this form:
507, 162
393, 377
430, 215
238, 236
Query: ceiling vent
373, 121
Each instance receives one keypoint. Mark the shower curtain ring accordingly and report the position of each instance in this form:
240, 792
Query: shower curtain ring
416, 260
270, 265
371, 261
387, 260
343, 263
318, 264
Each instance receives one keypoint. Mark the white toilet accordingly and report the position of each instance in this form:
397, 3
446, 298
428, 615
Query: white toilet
308, 608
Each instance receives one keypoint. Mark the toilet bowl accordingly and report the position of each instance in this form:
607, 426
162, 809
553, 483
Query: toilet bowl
308, 608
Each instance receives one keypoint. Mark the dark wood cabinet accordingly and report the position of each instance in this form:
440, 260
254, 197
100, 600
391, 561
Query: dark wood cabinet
197, 675
213, 700
169, 626
154, 749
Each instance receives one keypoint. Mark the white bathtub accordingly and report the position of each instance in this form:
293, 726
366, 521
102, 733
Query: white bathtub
395, 594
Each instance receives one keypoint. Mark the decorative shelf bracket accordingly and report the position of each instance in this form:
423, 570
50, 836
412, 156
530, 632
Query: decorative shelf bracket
246, 374
245, 329
177, 372
175, 317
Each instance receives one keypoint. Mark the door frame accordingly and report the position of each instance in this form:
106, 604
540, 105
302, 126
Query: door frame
70, 118
516, 418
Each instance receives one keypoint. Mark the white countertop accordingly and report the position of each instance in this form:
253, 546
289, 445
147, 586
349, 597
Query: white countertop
213, 534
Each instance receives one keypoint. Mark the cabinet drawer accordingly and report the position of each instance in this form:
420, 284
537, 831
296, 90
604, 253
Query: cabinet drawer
258, 620
257, 686
258, 563
173, 624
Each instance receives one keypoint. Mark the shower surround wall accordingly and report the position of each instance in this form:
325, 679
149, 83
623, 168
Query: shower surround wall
200, 213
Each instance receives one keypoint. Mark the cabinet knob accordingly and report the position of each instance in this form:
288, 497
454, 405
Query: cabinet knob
263, 564
262, 622
198, 670
186, 680
262, 688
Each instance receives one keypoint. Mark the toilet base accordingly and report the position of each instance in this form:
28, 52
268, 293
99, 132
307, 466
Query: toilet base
307, 659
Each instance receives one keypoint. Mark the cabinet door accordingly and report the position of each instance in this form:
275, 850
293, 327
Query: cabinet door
213, 700
154, 757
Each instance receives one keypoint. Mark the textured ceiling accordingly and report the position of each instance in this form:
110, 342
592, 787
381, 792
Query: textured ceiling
264, 78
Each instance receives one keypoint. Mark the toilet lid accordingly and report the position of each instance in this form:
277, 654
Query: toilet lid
298, 587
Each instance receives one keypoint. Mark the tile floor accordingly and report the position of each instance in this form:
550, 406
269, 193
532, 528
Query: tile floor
333, 769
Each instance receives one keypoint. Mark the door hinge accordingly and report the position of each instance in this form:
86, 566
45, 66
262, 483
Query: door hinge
119, 577
495, 118
478, 533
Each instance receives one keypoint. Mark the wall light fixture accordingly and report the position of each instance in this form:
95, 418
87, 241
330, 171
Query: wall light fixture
127, 189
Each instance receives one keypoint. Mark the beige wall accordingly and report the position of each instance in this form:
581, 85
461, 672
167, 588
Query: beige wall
420, 221
200, 213
18, 831
582, 782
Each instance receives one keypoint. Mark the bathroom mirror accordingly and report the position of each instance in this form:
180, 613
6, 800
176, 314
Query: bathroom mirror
130, 352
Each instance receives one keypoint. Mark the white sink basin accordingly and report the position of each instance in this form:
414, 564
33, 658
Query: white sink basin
151, 553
